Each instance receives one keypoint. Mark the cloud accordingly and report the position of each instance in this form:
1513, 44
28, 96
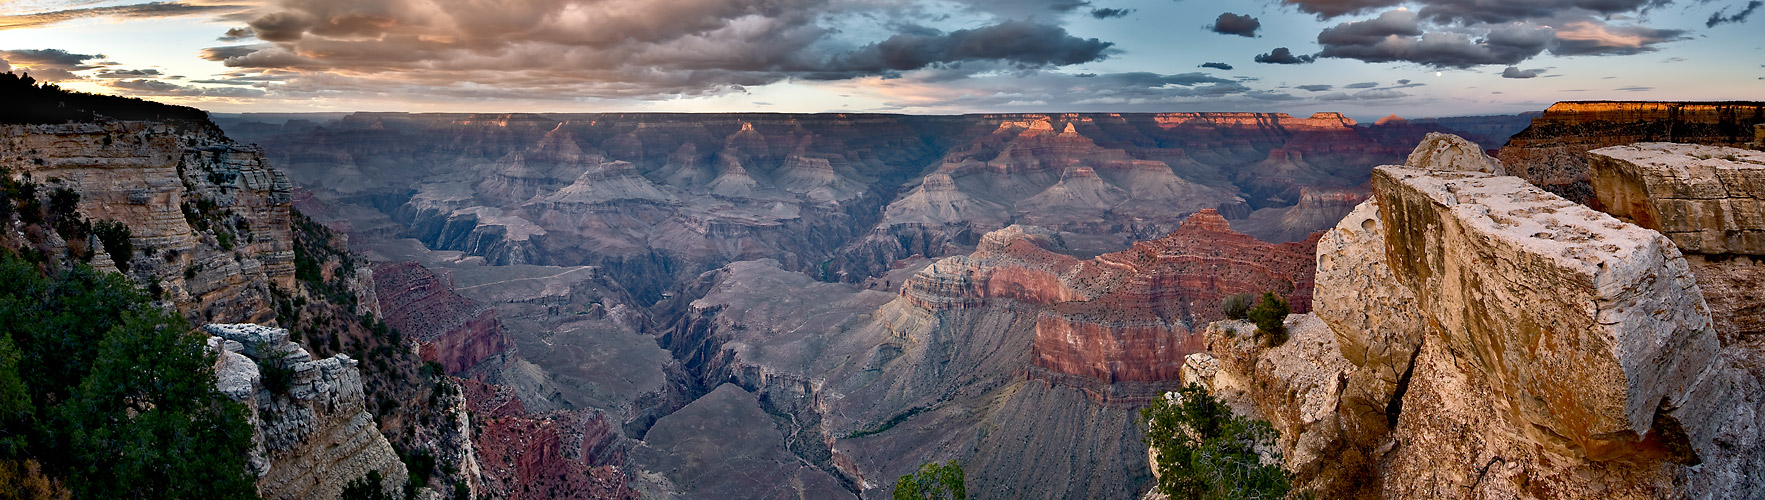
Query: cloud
49, 65
1477, 11
1635, 89
1595, 37
1403, 82
1738, 17
1397, 36
128, 73
1283, 56
1236, 24
1361, 85
237, 34
1018, 42
162, 88
1314, 88
1107, 13
1364, 95
136, 11
1217, 65
646, 49
1516, 72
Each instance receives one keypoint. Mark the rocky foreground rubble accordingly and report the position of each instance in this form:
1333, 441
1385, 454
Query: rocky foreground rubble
1488, 339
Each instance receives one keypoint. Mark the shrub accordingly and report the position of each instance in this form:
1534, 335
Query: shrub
933, 481
367, 487
1270, 316
1237, 306
116, 237
1206, 452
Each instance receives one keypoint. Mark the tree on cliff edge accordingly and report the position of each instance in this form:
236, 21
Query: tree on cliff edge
1203, 451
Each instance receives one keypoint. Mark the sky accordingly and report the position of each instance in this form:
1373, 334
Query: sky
1364, 58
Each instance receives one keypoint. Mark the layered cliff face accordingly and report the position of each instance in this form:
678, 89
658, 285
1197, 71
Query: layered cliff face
209, 220
1123, 316
1523, 346
311, 425
1550, 153
452, 330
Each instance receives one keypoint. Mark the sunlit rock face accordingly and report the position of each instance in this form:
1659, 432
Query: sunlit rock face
1551, 153
1707, 199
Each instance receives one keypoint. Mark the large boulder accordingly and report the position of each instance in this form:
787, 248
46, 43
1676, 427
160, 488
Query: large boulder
1587, 331
1707, 199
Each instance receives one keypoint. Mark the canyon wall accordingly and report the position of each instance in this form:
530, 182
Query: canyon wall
1551, 152
209, 220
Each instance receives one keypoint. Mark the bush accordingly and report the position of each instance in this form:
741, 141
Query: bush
116, 237
1237, 305
1206, 452
1270, 317
367, 487
933, 481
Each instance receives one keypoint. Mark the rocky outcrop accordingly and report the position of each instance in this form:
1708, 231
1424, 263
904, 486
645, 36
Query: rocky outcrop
1507, 271
310, 421
1707, 199
209, 219
1527, 347
1551, 152
454, 331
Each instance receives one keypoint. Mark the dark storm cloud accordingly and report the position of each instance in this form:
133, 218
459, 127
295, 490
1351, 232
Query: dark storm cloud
1738, 17
136, 11
1516, 72
1281, 55
1107, 13
1236, 24
1314, 88
1217, 65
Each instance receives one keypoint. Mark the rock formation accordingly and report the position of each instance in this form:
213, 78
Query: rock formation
310, 422
454, 331
209, 219
1707, 199
1550, 153
1523, 346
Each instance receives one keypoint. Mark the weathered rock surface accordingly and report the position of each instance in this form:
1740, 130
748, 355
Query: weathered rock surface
557, 454
314, 435
1583, 326
1377, 324
723, 445
209, 219
1707, 199
1300, 387
1551, 152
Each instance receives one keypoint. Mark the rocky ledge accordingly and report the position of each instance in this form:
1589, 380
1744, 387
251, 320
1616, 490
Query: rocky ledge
1492, 340
311, 426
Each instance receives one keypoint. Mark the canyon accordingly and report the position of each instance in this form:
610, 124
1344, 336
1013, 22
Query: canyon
857, 293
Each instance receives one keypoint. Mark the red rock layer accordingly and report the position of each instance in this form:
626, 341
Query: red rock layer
1123, 316
563, 454
454, 331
